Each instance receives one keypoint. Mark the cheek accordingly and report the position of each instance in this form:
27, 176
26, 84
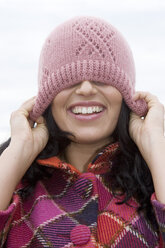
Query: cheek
112, 95
58, 108
116, 98
60, 117
57, 115
114, 112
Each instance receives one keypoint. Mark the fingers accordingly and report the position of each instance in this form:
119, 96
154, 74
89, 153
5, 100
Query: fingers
24, 110
28, 105
134, 118
156, 110
38, 122
149, 98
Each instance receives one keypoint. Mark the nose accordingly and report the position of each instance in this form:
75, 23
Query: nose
86, 88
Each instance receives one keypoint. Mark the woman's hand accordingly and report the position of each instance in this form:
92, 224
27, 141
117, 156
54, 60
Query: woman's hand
26, 143
148, 134
148, 131
23, 132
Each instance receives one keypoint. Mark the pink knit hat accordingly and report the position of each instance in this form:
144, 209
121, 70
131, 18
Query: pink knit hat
85, 48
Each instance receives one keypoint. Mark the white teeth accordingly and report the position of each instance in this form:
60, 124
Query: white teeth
87, 110
84, 110
90, 110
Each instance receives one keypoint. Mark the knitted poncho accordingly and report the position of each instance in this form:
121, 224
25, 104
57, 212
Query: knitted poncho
73, 209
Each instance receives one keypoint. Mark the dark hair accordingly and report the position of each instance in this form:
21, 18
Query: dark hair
131, 175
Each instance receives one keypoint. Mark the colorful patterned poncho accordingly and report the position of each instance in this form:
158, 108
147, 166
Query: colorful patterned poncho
73, 209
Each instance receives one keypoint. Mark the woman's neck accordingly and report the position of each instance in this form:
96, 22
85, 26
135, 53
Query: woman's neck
80, 155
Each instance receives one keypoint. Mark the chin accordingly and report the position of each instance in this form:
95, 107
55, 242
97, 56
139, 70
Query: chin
88, 139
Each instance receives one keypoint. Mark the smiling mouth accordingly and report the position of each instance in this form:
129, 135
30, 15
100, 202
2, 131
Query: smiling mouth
79, 110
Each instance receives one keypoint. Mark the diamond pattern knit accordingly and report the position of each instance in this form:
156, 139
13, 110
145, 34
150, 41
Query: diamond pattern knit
73, 209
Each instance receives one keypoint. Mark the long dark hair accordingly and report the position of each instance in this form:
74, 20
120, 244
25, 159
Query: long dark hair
131, 175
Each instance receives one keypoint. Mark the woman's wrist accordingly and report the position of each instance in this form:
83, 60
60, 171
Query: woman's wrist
156, 164
21, 150
153, 149
13, 165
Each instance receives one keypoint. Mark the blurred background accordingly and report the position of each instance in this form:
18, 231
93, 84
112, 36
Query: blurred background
25, 24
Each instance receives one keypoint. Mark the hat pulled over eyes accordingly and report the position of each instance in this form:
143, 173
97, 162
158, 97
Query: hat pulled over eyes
85, 48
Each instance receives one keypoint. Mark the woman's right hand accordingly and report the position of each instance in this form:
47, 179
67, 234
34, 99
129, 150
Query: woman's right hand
26, 143
24, 134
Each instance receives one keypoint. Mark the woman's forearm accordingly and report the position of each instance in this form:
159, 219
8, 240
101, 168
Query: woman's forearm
13, 165
157, 168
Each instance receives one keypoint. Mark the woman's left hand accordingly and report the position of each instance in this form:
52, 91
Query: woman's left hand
148, 134
148, 130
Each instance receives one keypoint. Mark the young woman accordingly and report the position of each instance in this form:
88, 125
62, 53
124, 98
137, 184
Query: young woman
84, 166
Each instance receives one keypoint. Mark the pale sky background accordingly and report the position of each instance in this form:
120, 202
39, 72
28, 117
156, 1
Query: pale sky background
25, 24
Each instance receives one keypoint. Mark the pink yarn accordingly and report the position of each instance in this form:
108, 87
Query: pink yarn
85, 48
